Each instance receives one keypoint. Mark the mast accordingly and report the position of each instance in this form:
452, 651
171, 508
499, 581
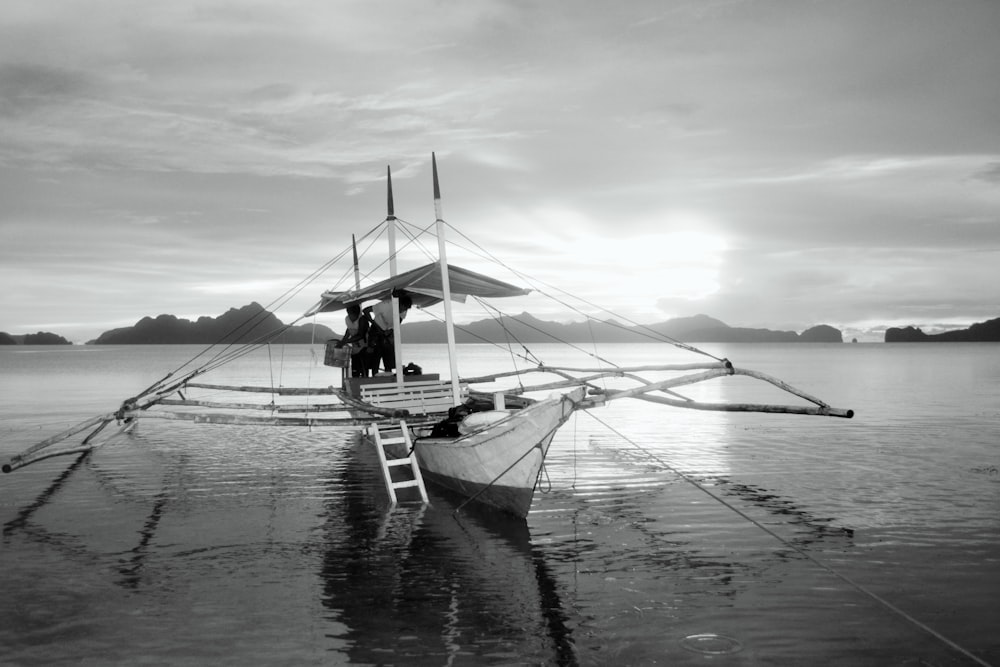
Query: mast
391, 214
390, 220
348, 370
397, 338
449, 321
357, 269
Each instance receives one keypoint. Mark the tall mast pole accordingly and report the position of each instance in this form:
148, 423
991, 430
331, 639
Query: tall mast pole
390, 220
348, 370
397, 338
357, 269
449, 321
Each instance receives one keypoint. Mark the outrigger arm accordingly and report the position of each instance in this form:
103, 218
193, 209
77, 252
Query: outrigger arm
600, 395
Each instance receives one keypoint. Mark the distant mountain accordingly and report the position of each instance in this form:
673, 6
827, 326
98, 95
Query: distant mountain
822, 333
40, 338
45, 338
252, 322
237, 325
981, 332
529, 329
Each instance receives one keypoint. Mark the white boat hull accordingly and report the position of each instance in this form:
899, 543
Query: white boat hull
499, 464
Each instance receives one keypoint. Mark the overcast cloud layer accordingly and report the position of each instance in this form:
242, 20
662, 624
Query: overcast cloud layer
773, 164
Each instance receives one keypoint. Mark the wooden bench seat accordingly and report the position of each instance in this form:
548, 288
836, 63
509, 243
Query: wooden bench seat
419, 398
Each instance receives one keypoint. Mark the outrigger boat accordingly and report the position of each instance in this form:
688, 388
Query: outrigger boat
498, 441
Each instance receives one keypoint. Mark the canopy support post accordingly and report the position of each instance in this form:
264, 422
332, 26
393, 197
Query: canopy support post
449, 321
397, 338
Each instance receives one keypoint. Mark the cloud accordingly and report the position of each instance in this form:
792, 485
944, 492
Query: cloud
990, 174
29, 87
841, 153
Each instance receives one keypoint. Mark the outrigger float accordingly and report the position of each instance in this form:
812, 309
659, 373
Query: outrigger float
495, 451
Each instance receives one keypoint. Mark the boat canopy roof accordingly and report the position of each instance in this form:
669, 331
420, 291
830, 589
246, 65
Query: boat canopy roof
423, 285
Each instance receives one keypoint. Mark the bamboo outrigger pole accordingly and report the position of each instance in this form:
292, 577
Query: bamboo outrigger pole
35, 453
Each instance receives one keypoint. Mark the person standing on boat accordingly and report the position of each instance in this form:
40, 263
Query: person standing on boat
356, 335
380, 336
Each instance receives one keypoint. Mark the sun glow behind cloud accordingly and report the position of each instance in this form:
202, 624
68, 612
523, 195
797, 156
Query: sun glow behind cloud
628, 268
637, 271
242, 288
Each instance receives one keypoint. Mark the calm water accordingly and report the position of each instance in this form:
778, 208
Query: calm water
660, 537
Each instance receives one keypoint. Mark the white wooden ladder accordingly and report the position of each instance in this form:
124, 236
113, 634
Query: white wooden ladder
381, 442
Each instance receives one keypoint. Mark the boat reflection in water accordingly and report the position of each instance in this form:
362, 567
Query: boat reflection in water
416, 584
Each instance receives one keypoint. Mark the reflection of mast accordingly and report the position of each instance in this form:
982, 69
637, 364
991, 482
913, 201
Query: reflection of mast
552, 610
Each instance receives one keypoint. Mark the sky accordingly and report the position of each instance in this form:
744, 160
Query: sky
769, 163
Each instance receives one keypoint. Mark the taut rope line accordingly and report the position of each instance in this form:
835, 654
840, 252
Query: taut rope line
843, 577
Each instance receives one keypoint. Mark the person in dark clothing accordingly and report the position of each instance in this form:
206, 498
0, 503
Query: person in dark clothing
358, 325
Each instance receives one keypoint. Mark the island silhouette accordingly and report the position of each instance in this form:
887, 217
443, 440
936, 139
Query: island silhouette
249, 324
230, 327
40, 338
252, 322
980, 332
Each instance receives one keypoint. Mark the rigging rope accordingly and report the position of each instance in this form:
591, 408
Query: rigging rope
506, 470
270, 368
544, 333
312, 352
593, 340
472, 334
645, 330
232, 351
510, 349
857, 586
